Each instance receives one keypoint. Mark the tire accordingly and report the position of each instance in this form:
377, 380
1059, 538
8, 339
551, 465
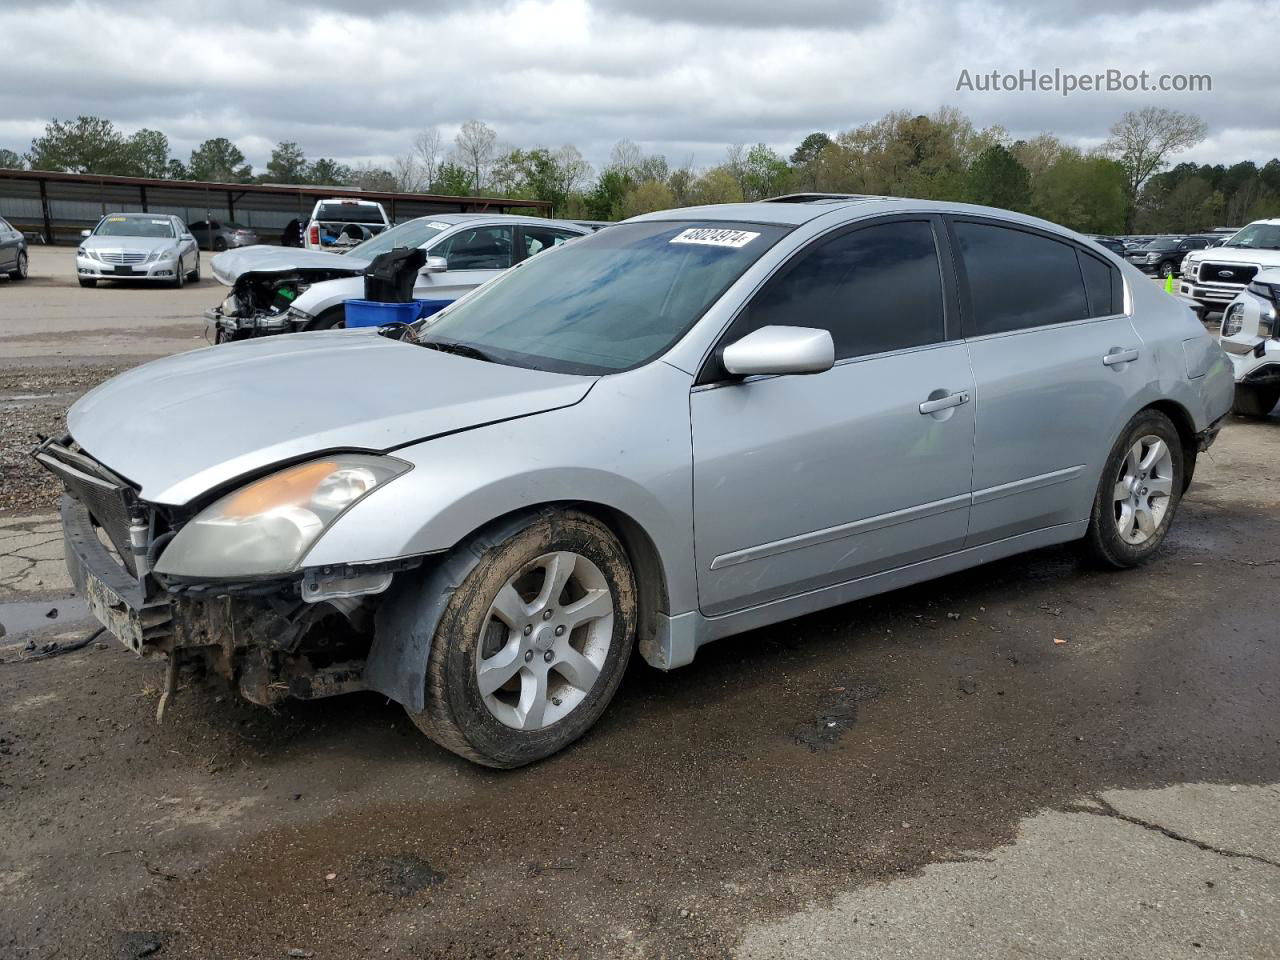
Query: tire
335, 318
219, 244
179, 276
20, 272
1255, 401
1116, 536
194, 275
88, 281
485, 727
1166, 270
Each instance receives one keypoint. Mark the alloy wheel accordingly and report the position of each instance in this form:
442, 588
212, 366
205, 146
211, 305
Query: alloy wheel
546, 637
1143, 489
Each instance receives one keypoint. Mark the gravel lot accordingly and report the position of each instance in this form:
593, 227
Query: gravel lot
926, 774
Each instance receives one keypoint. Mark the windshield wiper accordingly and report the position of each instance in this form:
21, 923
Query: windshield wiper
456, 348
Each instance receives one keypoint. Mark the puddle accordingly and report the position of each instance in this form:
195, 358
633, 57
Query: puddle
25, 616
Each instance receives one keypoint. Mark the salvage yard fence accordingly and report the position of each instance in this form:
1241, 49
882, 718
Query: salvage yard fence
54, 207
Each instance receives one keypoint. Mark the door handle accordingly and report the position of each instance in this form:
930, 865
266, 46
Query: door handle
1120, 356
944, 403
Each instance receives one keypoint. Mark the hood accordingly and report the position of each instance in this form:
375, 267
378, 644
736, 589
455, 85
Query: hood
1256, 256
228, 267
131, 244
181, 426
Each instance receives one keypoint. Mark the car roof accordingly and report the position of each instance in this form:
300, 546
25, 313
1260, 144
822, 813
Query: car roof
456, 218
135, 214
790, 211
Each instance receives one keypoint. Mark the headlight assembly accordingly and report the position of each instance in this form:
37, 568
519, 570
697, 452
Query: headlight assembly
268, 526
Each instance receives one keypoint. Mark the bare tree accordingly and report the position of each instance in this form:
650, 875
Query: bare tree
428, 151
1142, 141
474, 149
626, 158
572, 171
407, 173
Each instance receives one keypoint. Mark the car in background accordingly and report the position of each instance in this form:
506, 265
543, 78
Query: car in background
219, 235
1163, 256
1112, 244
13, 252
138, 246
1215, 276
339, 224
275, 290
1250, 335
689, 425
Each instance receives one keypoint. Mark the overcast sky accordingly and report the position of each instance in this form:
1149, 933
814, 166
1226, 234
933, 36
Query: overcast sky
681, 77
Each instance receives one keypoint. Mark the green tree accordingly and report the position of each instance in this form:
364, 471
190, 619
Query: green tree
326, 172
452, 180
220, 161
1083, 193
10, 160
763, 173
146, 154
997, 179
288, 164
804, 160
175, 169
82, 145
717, 185
605, 200
647, 197
1141, 141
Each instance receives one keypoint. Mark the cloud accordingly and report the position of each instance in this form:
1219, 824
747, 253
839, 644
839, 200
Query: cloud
683, 78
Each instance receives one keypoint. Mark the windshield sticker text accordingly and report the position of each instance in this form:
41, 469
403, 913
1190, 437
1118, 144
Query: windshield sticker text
713, 237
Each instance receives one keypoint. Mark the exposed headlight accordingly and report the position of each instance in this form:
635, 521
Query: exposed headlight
268, 526
297, 316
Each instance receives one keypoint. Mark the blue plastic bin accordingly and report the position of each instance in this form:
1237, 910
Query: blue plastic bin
370, 313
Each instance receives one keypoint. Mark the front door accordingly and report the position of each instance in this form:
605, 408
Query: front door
802, 482
474, 255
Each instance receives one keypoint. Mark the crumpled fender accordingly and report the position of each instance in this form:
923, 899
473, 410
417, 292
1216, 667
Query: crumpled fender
405, 624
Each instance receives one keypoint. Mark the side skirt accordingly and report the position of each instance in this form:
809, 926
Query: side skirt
680, 636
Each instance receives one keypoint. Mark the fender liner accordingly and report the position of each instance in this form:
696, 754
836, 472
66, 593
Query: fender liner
405, 623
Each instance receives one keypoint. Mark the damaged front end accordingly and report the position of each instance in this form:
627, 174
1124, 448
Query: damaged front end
304, 635
261, 304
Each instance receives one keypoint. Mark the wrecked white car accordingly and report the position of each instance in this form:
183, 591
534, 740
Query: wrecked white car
285, 290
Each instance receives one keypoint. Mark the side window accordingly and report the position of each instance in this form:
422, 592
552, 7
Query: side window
1100, 284
875, 289
537, 239
478, 248
1018, 279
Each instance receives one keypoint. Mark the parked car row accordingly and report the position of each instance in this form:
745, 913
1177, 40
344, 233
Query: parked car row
682, 427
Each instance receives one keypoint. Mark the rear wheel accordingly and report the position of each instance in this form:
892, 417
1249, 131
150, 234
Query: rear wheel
19, 271
532, 646
219, 244
88, 282
1252, 400
1138, 493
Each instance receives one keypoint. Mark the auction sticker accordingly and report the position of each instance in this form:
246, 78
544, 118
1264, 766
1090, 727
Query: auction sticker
715, 237
437, 225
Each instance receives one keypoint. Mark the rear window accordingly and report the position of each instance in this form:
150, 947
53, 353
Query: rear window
349, 213
1100, 282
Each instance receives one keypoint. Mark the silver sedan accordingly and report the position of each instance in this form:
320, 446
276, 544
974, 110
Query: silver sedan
138, 246
689, 425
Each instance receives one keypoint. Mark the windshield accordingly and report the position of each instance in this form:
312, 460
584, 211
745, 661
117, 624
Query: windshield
1257, 236
413, 233
134, 227
349, 213
608, 302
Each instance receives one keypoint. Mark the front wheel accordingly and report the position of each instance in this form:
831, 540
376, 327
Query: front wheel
1252, 400
1139, 491
194, 275
532, 646
1166, 269
179, 276
335, 318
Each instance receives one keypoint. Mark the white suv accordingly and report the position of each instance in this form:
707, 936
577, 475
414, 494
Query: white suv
1251, 338
1216, 275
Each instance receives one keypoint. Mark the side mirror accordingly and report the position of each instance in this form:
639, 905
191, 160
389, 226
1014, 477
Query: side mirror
435, 265
780, 350
86, 233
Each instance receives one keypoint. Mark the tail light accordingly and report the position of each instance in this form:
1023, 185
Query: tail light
314, 235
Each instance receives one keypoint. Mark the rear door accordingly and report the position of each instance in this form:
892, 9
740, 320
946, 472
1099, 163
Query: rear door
535, 239
1055, 363
802, 482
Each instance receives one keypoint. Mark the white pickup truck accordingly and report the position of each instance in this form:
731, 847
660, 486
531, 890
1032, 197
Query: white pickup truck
338, 224
1216, 275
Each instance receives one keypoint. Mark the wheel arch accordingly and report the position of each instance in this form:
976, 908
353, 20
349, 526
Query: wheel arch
402, 639
1186, 427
